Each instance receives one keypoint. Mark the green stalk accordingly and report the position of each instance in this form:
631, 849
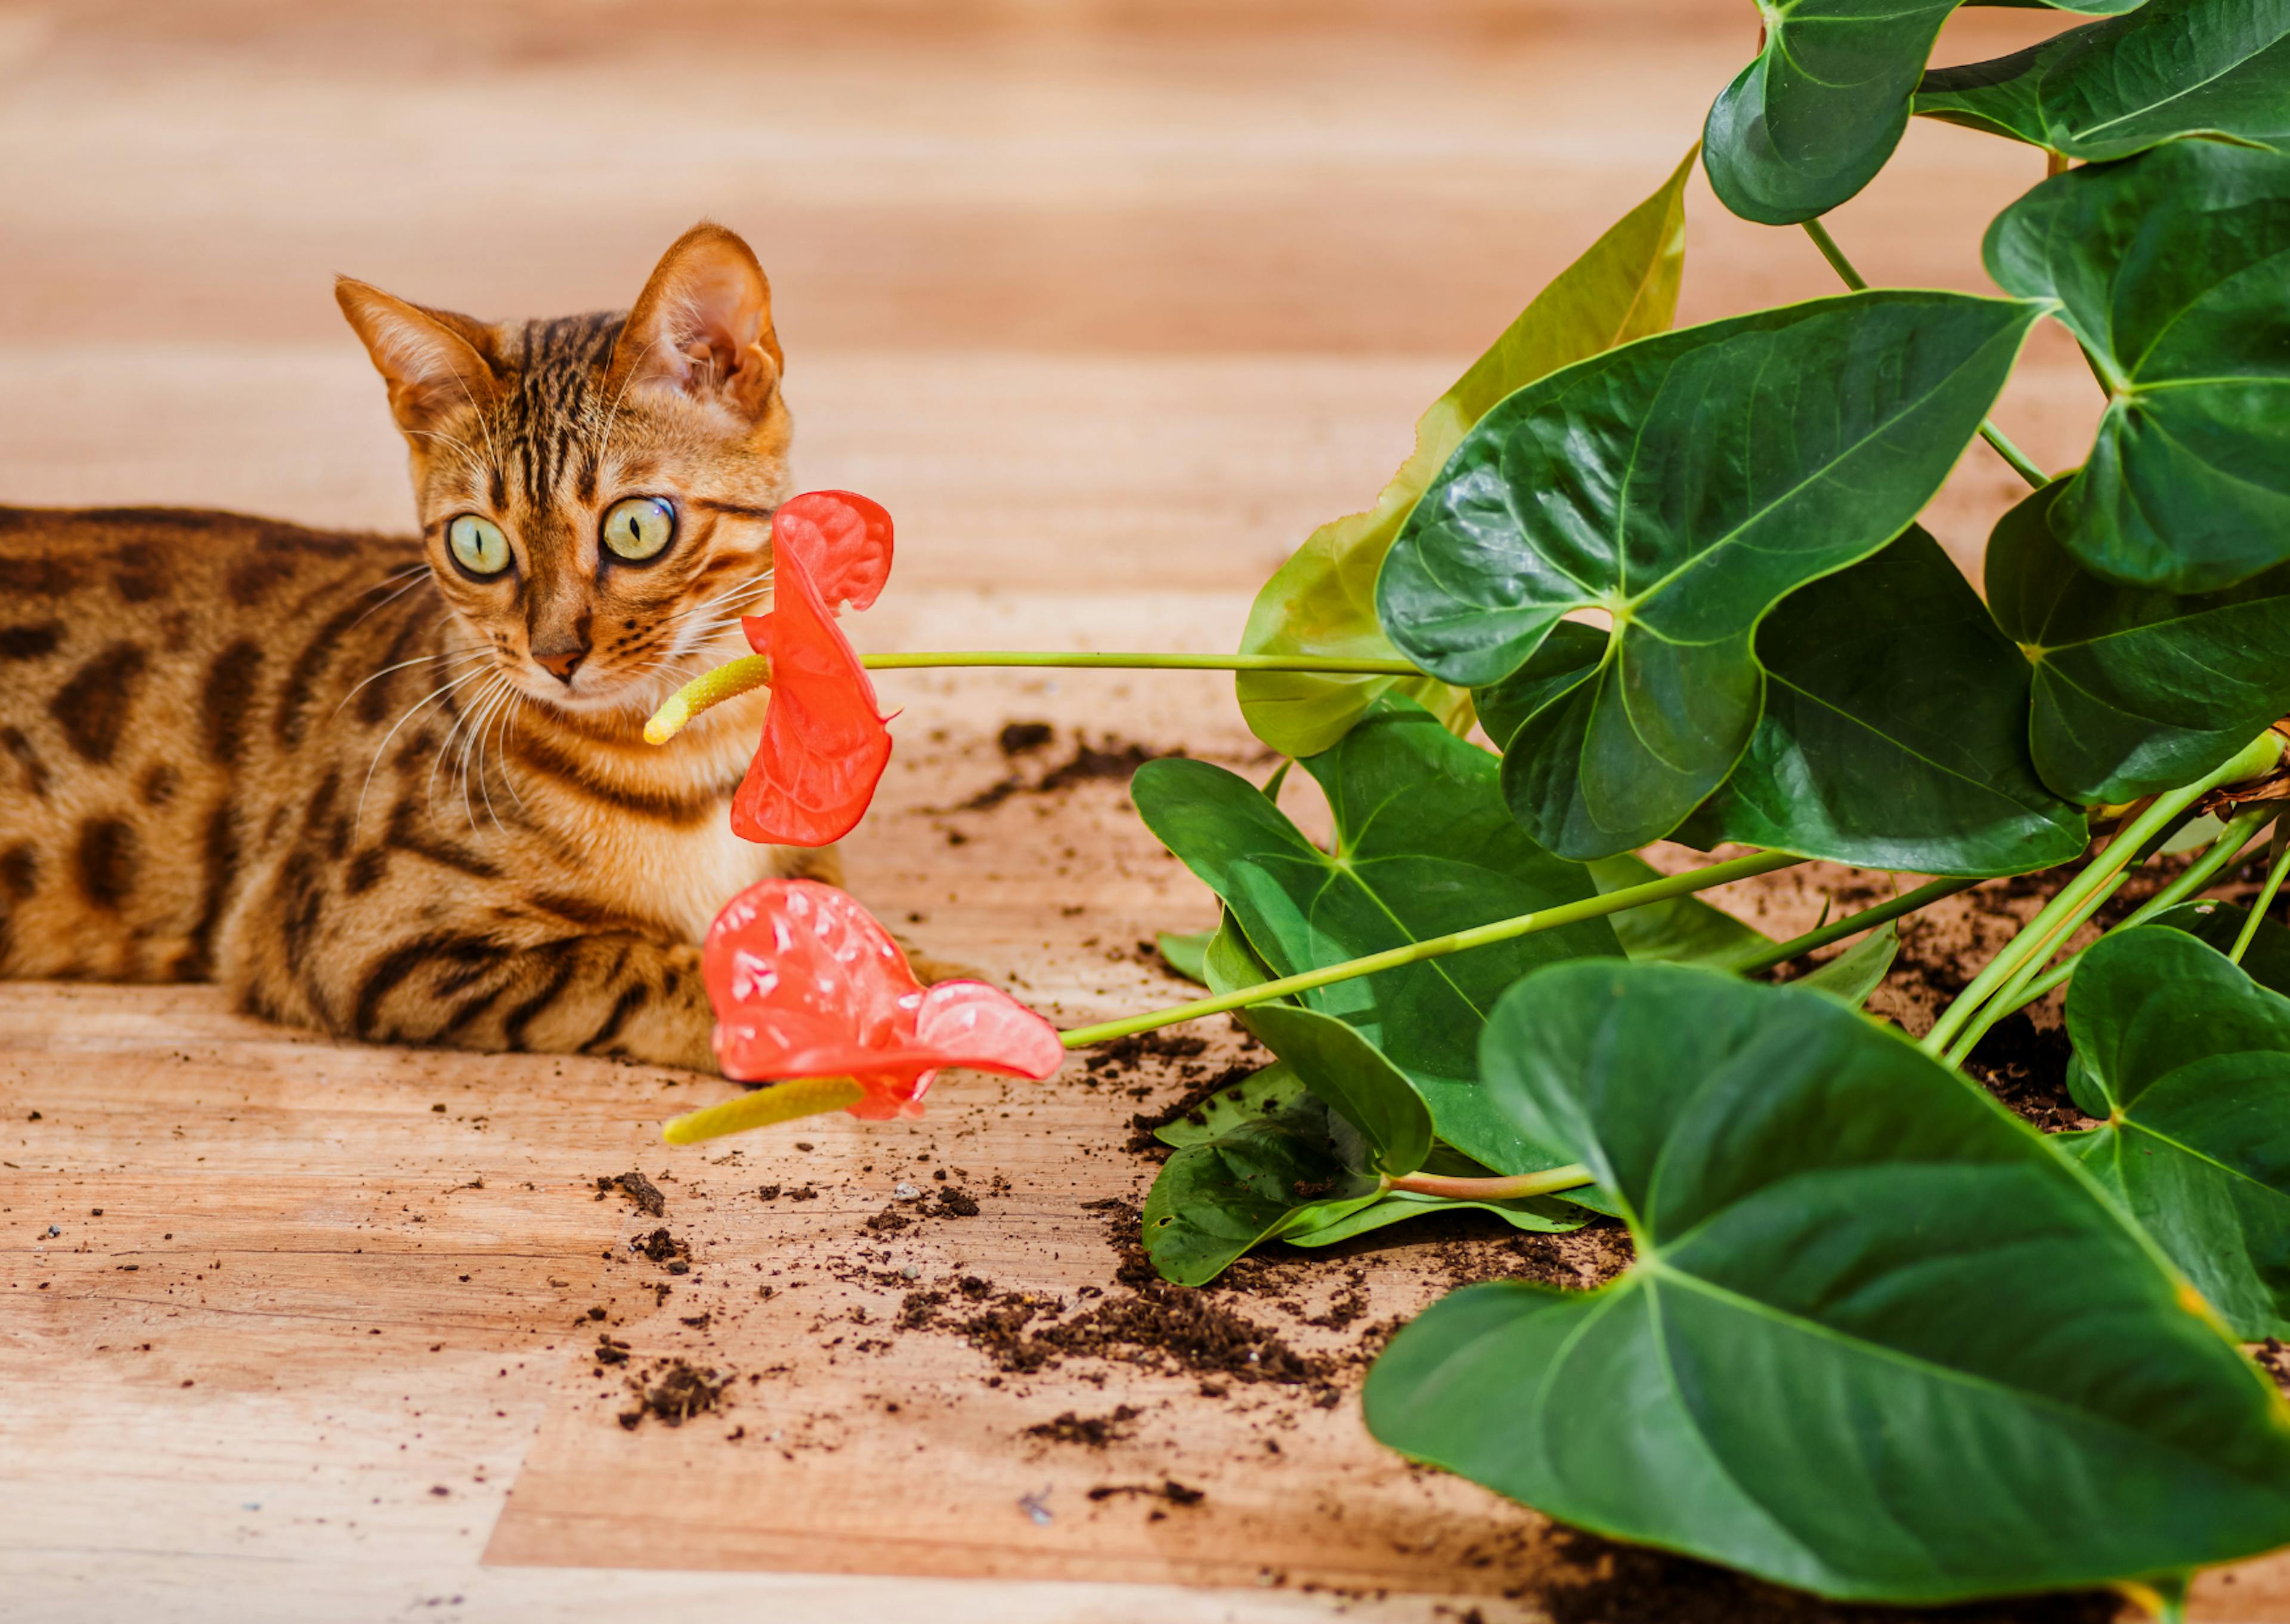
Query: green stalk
2262, 755
2008, 998
1440, 947
2230, 844
752, 671
2261, 903
2021, 463
1908, 902
1513, 1188
933, 658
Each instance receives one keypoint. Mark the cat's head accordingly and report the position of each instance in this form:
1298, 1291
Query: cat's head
595, 492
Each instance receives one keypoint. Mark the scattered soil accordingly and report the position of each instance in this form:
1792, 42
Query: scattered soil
1094, 1431
2026, 1067
664, 1249
1019, 738
1176, 1493
1111, 759
1600, 1583
674, 1392
642, 1194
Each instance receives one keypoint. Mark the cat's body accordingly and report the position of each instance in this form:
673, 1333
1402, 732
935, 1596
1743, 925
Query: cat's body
373, 789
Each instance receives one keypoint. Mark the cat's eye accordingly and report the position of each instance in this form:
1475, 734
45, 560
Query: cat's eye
477, 545
637, 529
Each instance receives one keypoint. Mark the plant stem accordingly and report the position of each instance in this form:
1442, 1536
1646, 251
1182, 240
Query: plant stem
1440, 947
1868, 919
2231, 842
933, 658
780, 1102
2261, 903
1570, 1177
751, 671
2022, 464
2262, 755
2007, 996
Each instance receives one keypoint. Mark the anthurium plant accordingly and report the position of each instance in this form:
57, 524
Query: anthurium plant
1881, 1339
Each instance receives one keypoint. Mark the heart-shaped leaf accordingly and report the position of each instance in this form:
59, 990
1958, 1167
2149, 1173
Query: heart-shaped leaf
1895, 731
2192, 1058
1879, 1341
1680, 486
1323, 600
2173, 270
1857, 972
2135, 690
1211, 1201
2173, 68
1811, 120
2266, 961
1423, 847
1262, 1093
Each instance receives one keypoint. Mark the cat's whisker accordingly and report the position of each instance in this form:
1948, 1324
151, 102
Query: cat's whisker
500, 719
358, 819
612, 412
474, 737
476, 464
445, 746
455, 660
421, 579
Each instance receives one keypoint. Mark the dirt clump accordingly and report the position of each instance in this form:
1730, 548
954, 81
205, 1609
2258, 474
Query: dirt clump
642, 1194
677, 1391
1092, 1431
1112, 759
664, 1249
1176, 1493
1019, 738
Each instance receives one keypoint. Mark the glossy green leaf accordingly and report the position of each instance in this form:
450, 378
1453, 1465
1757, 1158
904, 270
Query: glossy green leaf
1295, 1168
1857, 972
2266, 961
1323, 600
2135, 690
1183, 954
1262, 1093
1423, 847
1352, 1077
1681, 931
2173, 270
1681, 487
2173, 68
1879, 1341
2191, 1059
1895, 731
1811, 120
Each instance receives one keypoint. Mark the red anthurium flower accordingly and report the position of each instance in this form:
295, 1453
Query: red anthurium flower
805, 984
824, 745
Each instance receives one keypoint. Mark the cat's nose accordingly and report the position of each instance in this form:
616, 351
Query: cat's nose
561, 662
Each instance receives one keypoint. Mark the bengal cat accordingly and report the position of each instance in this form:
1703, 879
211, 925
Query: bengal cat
395, 788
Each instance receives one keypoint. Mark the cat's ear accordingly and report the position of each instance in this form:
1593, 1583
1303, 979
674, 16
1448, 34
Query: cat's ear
433, 360
703, 326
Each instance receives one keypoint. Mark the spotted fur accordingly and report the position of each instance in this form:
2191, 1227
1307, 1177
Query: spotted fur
330, 770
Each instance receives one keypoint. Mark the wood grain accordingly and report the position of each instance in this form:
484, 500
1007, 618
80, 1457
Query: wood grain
1111, 304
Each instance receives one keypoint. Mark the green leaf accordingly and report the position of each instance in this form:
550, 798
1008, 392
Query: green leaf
1879, 1341
1183, 954
1323, 600
1681, 487
1811, 120
1352, 1077
1213, 1201
1262, 1093
1859, 971
2192, 1059
1423, 847
1543, 1216
2266, 961
1895, 732
1681, 931
2173, 68
2173, 270
2135, 690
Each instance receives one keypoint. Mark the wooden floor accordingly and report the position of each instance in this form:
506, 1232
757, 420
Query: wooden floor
1111, 304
